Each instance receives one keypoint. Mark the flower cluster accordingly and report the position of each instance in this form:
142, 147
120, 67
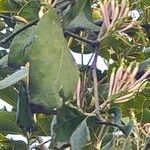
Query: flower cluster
123, 84
113, 12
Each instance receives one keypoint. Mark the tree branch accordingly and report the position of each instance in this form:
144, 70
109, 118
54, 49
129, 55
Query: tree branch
67, 33
18, 31
11, 18
41, 144
97, 108
101, 33
7, 17
113, 124
94, 74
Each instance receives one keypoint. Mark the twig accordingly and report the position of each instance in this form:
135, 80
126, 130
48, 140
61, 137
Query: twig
95, 86
147, 144
11, 18
7, 17
113, 124
95, 89
101, 34
18, 31
41, 144
67, 33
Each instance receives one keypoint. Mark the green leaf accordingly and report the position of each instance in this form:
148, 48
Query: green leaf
147, 52
74, 11
143, 65
24, 117
107, 141
145, 2
2, 36
127, 145
3, 52
4, 61
30, 10
53, 73
13, 78
4, 45
113, 44
8, 123
136, 104
144, 116
19, 45
116, 114
16, 145
129, 127
2, 25
80, 136
82, 22
105, 53
76, 47
43, 123
108, 146
5, 72
89, 147
9, 6
9, 95
68, 119
103, 89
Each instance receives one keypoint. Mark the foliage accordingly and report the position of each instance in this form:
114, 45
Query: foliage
79, 106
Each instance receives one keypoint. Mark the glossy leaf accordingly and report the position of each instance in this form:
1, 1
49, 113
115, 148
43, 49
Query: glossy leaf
19, 45
14, 78
76, 9
116, 114
53, 73
143, 65
43, 124
127, 145
67, 120
103, 88
144, 116
4, 45
4, 61
108, 146
147, 51
81, 22
80, 136
2, 25
16, 145
5, 72
24, 117
107, 141
129, 127
145, 2
9, 95
9, 6
8, 123
3, 52
136, 104
30, 10
2, 35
